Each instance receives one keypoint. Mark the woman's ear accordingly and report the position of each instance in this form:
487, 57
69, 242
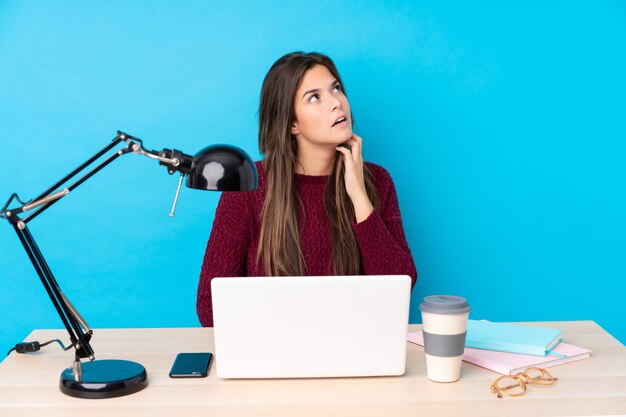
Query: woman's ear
294, 129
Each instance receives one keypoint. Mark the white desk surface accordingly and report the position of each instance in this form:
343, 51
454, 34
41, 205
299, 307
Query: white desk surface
29, 383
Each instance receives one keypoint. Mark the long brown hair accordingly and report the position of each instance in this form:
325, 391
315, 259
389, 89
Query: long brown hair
279, 245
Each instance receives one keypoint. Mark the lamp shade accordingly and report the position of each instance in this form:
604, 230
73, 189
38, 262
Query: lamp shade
222, 168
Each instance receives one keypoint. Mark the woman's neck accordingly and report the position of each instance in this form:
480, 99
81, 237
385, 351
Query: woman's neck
313, 160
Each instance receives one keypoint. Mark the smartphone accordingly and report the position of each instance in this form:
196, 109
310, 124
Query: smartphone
191, 365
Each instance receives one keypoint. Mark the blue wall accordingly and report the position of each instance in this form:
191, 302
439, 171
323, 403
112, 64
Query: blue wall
502, 125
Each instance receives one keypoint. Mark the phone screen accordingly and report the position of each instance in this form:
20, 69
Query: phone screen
191, 365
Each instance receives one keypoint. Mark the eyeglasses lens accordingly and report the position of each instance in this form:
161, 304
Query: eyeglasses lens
512, 386
538, 376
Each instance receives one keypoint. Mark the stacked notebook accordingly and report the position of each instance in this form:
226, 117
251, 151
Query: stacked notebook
511, 348
513, 338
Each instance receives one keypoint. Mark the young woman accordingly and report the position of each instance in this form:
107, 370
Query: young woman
319, 209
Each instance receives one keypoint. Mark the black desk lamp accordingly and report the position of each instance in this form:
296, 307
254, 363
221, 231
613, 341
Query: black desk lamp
217, 167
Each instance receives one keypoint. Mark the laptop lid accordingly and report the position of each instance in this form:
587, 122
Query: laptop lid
293, 327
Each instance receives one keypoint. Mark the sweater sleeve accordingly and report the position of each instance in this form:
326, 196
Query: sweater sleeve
381, 239
226, 251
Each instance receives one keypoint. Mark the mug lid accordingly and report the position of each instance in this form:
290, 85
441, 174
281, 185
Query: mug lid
445, 304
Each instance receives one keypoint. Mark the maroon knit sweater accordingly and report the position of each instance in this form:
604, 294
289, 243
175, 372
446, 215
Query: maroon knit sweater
231, 250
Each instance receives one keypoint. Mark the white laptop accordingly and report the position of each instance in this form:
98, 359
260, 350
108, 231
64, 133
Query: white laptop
303, 327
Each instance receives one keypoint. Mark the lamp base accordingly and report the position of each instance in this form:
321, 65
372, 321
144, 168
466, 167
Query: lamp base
105, 379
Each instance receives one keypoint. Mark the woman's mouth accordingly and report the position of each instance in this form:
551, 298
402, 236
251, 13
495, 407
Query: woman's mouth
341, 121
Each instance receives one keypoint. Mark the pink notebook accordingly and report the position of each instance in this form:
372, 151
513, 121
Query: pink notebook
511, 363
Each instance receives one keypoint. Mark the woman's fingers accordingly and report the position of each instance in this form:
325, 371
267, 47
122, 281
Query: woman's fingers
355, 146
353, 161
353, 155
357, 141
347, 155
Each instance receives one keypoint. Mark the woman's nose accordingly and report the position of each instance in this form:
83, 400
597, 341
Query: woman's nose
335, 103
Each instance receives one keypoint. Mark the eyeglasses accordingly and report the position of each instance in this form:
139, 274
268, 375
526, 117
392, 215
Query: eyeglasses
515, 385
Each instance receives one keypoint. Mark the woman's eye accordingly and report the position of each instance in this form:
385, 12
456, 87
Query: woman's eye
314, 98
337, 88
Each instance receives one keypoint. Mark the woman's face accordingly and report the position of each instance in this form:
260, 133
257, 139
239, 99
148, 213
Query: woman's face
322, 110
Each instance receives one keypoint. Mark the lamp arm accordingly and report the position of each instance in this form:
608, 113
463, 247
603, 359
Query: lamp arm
79, 339
49, 197
75, 312
117, 139
76, 326
44, 200
153, 155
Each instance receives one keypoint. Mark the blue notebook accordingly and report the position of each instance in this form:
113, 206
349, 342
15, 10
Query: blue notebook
514, 338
